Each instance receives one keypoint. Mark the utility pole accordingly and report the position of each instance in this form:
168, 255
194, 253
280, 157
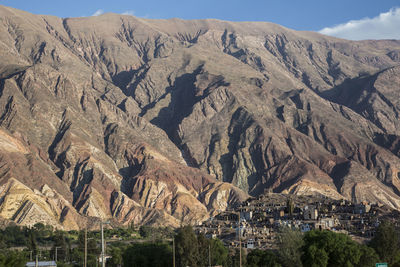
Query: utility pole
102, 245
173, 251
103, 263
56, 253
240, 244
209, 255
85, 260
30, 255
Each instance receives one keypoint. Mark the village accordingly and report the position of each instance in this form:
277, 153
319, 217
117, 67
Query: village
261, 218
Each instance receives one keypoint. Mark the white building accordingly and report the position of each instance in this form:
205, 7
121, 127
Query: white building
250, 243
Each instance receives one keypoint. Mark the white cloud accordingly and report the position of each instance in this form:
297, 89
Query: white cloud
384, 26
129, 12
98, 12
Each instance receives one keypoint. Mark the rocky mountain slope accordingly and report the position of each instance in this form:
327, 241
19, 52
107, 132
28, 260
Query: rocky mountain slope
167, 121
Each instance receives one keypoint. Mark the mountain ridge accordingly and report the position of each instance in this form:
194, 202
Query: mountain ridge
167, 121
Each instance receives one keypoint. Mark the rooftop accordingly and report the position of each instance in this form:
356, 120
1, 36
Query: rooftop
41, 263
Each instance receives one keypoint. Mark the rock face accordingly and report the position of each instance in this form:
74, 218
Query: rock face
167, 121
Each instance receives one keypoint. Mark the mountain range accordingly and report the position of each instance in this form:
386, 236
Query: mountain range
166, 122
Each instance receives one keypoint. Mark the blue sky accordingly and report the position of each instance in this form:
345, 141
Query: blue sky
311, 15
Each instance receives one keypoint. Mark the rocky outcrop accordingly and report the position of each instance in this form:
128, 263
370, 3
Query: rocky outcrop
168, 121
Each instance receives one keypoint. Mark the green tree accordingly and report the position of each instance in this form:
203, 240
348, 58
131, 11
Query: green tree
62, 247
146, 231
187, 251
148, 255
211, 250
234, 258
203, 250
77, 256
116, 257
92, 245
13, 259
32, 245
325, 248
368, 257
155, 234
93, 249
290, 243
15, 236
264, 258
386, 242
290, 206
39, 228
219, 253
315, 256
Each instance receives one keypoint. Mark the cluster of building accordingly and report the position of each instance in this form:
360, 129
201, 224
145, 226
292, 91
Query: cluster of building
258, 220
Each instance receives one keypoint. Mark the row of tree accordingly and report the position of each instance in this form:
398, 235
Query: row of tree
190, 250
158, 247
330, 249
314, 248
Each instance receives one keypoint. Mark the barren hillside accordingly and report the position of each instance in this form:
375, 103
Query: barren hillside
168, 121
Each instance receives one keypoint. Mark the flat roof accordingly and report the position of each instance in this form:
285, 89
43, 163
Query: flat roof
41, 263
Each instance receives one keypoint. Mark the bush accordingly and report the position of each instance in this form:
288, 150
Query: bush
325, 248
265, 258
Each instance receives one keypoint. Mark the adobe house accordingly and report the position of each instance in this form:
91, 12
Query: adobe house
310, 213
